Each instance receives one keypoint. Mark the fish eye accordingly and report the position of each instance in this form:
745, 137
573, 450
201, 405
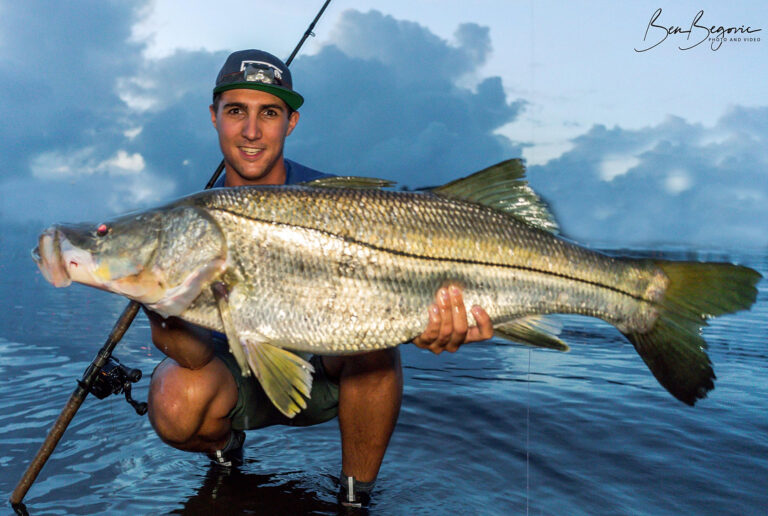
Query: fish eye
102, 230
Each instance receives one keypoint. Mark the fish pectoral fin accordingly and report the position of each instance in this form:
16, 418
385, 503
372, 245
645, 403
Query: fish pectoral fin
221, 293
285, 377
359, 183
503, 187
178, 299
535, 330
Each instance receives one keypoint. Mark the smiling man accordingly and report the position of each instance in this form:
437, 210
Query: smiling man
198, 400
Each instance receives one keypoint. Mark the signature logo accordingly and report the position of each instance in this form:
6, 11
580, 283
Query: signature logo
695, 34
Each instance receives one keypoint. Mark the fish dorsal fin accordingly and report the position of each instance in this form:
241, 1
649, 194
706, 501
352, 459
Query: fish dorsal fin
535, 330
503, 187
355, 182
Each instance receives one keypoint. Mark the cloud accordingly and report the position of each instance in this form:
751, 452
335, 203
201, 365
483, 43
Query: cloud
123, 163
92, 127
110, 130
133, 132
410, 51
58, 66
675, 182
56, 165
614, 166
386, 98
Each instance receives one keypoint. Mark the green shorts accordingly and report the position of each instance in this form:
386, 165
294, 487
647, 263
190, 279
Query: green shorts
254, 409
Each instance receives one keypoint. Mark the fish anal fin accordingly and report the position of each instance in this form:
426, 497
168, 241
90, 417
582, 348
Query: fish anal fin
284, 376
503, 187
534, 330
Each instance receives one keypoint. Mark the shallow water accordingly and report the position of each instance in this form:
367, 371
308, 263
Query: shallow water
493, 429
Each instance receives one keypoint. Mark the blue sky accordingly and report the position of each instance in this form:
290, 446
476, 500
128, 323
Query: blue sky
105, 105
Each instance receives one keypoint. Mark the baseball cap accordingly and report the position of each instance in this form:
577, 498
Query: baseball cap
258, 70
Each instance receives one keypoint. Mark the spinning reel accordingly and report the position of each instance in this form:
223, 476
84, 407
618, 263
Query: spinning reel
115, 378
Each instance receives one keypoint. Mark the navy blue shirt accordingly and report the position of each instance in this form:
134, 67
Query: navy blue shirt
294, 173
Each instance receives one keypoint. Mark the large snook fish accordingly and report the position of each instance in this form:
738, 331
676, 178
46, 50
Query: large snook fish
345, 270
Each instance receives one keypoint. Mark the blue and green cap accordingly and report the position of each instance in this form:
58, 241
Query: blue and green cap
258, 70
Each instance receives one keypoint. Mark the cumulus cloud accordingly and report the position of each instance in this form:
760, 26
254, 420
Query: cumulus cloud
613, 166
386, 99
63, 145
58, 165
123, 163
91, 117
411, 52
675, 182
58, 66
89, 124
92, 127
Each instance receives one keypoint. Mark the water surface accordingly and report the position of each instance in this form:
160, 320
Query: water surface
493, 429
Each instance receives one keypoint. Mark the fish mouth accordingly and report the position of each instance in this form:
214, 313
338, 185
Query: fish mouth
48, 257
62, 263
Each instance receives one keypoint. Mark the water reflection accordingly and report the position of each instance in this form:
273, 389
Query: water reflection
238, 492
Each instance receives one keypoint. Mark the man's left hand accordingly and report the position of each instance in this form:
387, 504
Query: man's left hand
448, 328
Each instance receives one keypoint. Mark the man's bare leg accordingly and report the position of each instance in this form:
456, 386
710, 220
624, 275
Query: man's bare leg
188, 408
370, 393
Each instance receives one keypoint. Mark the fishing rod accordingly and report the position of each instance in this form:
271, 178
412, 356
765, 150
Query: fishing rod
105, 375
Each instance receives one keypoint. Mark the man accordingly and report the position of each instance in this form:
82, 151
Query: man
198, 401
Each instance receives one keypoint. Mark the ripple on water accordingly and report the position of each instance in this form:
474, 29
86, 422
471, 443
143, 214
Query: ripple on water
493, 429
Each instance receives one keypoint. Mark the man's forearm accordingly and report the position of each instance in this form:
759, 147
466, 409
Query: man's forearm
187, 344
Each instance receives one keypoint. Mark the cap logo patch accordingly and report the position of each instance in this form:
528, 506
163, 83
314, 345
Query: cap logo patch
277, 71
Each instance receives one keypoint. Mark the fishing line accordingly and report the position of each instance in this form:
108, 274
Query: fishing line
528, 438
532, 39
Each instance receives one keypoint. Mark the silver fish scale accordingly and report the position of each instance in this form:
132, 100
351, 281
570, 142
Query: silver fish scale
340, 271
427, 225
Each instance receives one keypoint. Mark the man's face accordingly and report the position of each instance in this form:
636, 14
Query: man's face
252, 127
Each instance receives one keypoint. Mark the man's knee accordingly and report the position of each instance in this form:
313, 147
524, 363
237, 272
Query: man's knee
186, 404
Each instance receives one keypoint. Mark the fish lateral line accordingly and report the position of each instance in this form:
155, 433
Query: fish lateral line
462, 261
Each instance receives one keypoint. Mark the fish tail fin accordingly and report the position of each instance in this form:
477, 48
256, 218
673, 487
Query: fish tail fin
673, 348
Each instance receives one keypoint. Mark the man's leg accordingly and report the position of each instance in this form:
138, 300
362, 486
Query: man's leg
370, 393
188, 408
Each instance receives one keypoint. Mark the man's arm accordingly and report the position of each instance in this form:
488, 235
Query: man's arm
448, 328
187, 344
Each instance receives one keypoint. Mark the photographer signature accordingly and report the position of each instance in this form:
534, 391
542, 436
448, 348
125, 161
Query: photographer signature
717, 34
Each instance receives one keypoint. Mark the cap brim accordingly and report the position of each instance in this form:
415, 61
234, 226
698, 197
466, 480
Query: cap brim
290, 97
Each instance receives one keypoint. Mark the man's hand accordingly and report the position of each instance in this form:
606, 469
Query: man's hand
447, 328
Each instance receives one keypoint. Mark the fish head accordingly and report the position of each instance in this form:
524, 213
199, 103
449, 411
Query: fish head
162, 258
114, 255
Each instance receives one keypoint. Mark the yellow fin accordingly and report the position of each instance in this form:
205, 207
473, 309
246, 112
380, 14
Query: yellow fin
285, 377
534, 330
503, 187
